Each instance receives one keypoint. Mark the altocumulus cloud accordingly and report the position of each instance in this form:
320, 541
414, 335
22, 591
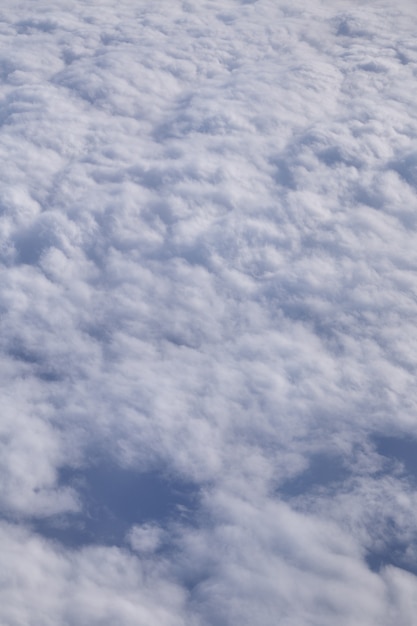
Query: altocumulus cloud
208, 301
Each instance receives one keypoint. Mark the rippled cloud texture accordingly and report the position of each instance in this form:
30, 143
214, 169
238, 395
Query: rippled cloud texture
208, 309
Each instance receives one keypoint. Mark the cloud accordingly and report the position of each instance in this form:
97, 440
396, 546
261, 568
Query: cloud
43, 583
283, 566
207, 302
146, 538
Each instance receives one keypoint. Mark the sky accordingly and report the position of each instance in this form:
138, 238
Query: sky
208, 295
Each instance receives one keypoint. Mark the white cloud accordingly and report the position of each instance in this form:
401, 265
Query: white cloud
207, 237
43, 584
146, 538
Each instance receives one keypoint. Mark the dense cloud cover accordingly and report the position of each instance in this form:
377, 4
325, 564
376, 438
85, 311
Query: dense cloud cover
208, 300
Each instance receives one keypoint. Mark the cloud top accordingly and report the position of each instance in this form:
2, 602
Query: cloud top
208, 259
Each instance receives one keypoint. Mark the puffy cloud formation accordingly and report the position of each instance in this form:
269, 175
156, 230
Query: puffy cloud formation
208, 302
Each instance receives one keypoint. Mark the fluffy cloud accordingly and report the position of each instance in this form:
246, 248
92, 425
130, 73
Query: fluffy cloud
208, 276
42, 584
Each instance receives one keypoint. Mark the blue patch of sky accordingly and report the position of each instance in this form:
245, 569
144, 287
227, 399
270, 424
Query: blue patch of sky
114, 499
399, 449
323, 471
394, 552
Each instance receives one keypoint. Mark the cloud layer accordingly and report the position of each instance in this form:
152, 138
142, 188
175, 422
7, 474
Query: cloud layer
208, 255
